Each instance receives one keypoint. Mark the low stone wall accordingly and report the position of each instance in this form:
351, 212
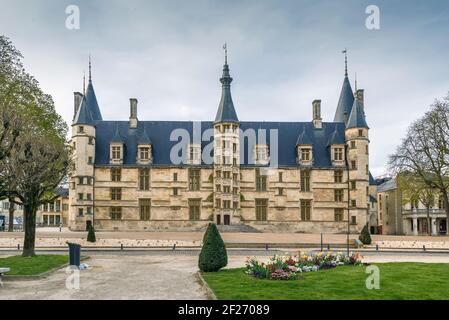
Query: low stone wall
181, 225
301, 227
437, 244
153, 225
113, 243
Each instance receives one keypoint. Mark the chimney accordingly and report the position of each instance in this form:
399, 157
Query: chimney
133, 113
317, 121
78, 97
360, 95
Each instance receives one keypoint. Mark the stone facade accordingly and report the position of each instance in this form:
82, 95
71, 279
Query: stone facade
146, 194
399, 217
55, 214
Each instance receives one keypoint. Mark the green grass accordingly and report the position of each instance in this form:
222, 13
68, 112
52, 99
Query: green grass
36, 265
398, 281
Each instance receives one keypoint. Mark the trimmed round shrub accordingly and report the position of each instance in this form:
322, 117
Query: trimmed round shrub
213, 254
91, 235
365, 237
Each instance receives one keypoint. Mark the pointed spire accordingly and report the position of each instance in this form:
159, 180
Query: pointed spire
335, 138
144, 138
117, 137
303, 138
226, 111
355, 82
346, 99
91, 98
357, 117
84, 115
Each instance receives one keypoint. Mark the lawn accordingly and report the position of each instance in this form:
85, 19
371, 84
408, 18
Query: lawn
398, 281
38, 264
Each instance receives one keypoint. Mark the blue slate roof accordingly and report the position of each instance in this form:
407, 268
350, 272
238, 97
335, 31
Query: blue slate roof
83, 116
89, 111
226, 111
117, 137
144, 138
372, 181
336, 137
357, 116
303, 138
345, 102
387, 186
63, 192
160, 131
92, 102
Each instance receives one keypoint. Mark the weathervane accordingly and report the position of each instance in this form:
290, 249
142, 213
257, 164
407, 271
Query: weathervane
225, 48
84, 82
90, 69
346, 61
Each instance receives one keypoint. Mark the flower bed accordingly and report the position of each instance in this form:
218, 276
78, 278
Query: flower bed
289, 267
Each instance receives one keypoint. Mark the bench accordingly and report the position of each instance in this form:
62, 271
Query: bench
2, 271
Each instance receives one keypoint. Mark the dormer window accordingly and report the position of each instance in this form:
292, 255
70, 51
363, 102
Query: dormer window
116, 152
261, 154
144, 154
305, 156
194, 154
338, 154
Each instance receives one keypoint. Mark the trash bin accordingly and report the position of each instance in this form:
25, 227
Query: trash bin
74, 254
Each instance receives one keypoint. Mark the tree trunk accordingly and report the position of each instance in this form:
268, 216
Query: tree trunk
11, 215
30, 230
446, 207
429, 225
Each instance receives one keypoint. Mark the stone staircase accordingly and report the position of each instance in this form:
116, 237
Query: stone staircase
237, 228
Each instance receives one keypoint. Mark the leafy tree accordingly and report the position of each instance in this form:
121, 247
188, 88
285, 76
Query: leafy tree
414, 189
38, 162
213, 254
425, 150
91, 235
365, 236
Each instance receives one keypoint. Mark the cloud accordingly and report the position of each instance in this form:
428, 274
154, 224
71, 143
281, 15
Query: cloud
282, 55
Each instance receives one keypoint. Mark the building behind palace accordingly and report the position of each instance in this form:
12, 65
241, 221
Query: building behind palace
398, 217
310, 176
54, 214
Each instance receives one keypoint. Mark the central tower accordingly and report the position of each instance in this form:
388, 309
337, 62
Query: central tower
226, 155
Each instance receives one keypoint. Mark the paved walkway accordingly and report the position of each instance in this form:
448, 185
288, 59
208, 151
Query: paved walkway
117, 277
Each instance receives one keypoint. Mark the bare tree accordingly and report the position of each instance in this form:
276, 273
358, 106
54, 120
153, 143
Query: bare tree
425, 150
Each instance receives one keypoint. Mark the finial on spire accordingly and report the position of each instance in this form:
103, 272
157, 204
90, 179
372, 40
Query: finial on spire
346, 61
90, 69
225, 48
84, 82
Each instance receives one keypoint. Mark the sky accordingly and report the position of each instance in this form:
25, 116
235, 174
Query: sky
282, 55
